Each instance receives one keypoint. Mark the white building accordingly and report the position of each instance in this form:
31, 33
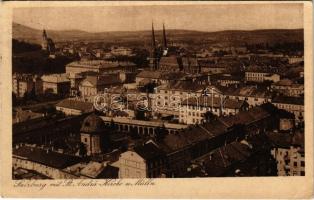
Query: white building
167, 98
293, 105
144, 161
289, 154
193, 109
56, 84
256, 76
44, 161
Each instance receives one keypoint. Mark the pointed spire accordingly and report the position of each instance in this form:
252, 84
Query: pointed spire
44, 34
153, 55
164, 36
153, 37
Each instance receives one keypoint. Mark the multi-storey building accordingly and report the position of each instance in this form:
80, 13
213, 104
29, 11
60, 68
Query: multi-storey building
25, 83
193, 109
143, 161
121, 51
261, 74
99, 66
288, 87
56, 84
295, 59
167, 98
253, 95
44, 161
289, 153
293, 105
74, 107
95, 84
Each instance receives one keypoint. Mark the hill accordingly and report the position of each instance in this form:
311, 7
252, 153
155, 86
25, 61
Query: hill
24, 33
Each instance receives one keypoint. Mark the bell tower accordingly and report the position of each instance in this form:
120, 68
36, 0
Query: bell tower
44, 43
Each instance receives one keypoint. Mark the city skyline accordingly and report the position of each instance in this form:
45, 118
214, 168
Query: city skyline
139, 18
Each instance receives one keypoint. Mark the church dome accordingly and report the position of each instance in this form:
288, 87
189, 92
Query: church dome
92, 124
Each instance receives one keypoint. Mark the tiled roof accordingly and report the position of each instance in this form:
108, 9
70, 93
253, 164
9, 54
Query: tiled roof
76, 105
48, 158
247, 91
245, 117
219, 162
285, 140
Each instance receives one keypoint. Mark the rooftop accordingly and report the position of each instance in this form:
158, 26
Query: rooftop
99, 64
45, 157
55, 78
76, 105
289, 100
216, 102
148, 151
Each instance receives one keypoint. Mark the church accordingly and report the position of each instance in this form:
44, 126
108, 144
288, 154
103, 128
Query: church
47, 43
164, 57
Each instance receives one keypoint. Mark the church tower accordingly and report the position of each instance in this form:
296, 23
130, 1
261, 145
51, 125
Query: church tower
164, 40
153, 51
44, 43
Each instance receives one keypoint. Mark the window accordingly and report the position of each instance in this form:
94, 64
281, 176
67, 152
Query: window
295, 164
302, 164
302, 173
85, 139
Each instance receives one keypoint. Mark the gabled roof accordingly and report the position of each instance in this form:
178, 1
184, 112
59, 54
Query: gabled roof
148, 151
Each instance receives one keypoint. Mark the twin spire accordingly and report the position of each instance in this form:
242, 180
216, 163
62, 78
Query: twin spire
164, 39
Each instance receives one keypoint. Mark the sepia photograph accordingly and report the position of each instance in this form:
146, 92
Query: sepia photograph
158, 91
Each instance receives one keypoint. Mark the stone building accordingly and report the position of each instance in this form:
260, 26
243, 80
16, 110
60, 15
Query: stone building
143, 161
92, 134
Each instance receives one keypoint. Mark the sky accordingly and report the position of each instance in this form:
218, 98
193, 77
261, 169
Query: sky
188, 17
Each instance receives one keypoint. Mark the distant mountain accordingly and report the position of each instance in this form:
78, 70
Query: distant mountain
21, 32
